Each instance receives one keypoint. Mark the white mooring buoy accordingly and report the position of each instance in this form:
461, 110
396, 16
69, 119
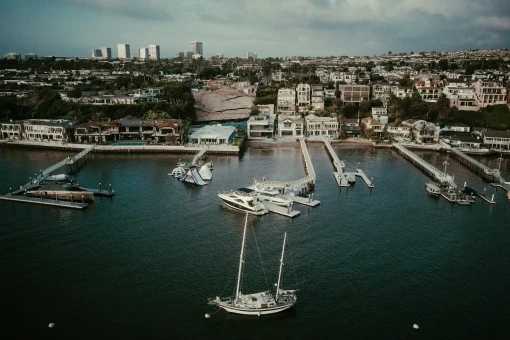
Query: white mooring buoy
51, 325
415, 326
207, 316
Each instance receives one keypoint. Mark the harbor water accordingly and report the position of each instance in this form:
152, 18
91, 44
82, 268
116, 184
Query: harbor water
368, 263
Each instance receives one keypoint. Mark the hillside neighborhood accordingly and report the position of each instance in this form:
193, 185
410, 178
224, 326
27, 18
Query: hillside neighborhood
461, 98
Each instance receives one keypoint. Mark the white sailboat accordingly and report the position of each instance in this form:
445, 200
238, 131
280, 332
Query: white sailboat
258, 304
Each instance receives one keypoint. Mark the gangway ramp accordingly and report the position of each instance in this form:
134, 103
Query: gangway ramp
68, 160
198, 156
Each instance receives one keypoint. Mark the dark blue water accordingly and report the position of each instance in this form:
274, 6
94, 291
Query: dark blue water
369, 264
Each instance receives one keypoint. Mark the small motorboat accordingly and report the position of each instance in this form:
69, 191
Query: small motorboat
433, 189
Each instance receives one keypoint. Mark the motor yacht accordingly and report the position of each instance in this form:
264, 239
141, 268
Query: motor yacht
268, 195
243, 201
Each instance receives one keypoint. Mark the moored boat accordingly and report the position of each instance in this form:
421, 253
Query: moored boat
243, 201
257, 304
63, 195
433, 189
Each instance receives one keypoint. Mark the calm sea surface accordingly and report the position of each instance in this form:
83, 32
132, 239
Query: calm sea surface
369, 264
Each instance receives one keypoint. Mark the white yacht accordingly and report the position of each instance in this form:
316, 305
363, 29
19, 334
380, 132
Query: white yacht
268, 195
243, 201
433, 189
257, 304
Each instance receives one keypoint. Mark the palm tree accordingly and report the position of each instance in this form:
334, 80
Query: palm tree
154, 116
97, 117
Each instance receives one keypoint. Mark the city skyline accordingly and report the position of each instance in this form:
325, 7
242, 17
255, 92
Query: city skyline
307, 28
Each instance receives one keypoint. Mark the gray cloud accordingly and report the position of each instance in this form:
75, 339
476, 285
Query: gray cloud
148, 10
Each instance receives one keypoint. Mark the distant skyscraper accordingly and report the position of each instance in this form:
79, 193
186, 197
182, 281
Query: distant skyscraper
179, 54
12, 55
197, 47
107, 52
154, 52
97, 53
252, 55
124, 51
30, 56
144, 53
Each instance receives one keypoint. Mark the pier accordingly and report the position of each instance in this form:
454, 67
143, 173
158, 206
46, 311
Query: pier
339, 174
428, 168
338, 164
481, 169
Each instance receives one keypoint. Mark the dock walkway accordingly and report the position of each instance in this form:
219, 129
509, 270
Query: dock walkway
338, 164
198, 155
69, 160
428, 168
300, 184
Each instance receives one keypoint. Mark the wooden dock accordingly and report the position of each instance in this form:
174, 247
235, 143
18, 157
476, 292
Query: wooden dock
368, 182
44, 201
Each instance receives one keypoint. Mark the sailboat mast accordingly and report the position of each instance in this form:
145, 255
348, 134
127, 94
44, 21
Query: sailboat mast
241, 259
281, 266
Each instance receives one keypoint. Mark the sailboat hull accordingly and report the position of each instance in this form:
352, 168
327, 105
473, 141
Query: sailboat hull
254, 311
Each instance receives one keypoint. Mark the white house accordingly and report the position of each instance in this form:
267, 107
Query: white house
46, 129
371, 124
12, 130
399, 131
261, 126
497, 139
290, 125
213, 134
381, 91
461, 97
490, 93
402, 91
456, 127
266, 109
321, 126
380, 114
287, 101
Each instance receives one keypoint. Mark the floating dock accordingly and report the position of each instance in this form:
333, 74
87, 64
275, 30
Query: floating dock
278, 209
308, 201
339, 174
44, 201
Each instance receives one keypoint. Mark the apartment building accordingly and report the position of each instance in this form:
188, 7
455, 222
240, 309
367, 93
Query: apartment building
303, 92
317, 97
354, 93
154, 52
46, 130
463, 98
124, 51
381, 91
489, 93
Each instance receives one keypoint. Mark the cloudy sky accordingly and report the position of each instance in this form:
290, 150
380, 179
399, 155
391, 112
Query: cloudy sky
268, 27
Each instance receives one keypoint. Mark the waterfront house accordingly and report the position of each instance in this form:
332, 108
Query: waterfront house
321, 126
12, 130
395, 130
490, 93
462, 140
350, 128
423, 132
213, 134
497, 139
163, 130
290, 125
456, 127
97, 132
373, 125
261, 126
47, 130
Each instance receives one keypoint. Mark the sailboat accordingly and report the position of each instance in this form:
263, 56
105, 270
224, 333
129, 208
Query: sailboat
258, 304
